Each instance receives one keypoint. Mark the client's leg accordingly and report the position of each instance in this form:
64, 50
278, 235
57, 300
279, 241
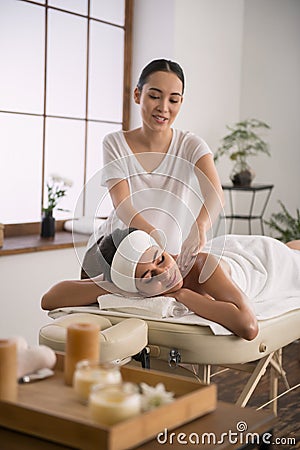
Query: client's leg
295, 245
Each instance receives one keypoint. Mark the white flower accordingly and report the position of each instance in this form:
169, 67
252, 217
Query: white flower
56, 189
67, 182
152, 397
58, 179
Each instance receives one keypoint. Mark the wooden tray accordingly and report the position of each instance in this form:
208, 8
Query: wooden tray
49, 409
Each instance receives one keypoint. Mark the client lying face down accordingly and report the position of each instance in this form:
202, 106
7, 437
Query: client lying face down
135, 263
216, 287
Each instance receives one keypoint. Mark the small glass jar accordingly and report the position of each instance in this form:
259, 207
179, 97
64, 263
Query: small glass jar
89, 373
111, 404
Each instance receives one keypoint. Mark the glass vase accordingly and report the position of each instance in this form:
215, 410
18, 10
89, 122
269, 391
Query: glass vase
242, 175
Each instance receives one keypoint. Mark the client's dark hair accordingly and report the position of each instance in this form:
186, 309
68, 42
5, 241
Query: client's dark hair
108, 247
160, 65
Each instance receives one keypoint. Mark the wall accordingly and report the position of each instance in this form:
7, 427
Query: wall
208, 44
241, 59
271, 91
23, 280
153, 38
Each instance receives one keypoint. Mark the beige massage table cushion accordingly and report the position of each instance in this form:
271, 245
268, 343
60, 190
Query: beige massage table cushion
117, 342
198, 345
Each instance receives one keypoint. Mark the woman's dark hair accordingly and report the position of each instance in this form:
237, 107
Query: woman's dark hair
108, 247
160, 65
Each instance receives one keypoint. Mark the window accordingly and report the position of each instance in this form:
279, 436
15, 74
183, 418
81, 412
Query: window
64, 79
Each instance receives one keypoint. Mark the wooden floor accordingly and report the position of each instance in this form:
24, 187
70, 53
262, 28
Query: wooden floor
288, 425
230, 384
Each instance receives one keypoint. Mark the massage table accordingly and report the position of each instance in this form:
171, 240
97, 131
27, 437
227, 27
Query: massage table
119, 342
180, 344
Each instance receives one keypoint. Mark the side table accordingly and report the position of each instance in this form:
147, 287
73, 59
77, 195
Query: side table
228, 427
233, 215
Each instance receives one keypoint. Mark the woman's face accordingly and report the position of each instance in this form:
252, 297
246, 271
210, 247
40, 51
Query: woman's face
160, 100
157, 273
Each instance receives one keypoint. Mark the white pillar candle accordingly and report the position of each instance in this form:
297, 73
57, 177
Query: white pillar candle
89, 373
112, 404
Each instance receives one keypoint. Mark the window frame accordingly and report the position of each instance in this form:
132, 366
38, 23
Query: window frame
20, 229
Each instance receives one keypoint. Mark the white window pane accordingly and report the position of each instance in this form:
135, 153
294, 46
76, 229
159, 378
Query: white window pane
106, 72
66, 71
97, 201
21, 139
65, 157
110, 11
78, 6
22, 56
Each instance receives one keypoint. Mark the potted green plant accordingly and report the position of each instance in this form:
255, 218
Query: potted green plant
242, 142
285, 224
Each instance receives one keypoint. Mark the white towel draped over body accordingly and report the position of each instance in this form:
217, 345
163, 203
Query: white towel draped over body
265, 269
156, 307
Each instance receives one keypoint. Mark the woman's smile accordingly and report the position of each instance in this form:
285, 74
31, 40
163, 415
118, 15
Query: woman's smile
160, 119
157, 273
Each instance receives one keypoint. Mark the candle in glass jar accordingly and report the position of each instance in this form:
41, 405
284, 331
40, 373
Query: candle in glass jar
88, 373
82, 343
112, 404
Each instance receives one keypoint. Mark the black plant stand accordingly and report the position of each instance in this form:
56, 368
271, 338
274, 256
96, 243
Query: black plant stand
253, 188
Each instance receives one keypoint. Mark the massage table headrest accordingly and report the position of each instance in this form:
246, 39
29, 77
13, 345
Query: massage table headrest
117, 342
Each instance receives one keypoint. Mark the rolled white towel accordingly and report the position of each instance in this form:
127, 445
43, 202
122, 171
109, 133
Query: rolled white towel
83, 225
33, 358
156, 307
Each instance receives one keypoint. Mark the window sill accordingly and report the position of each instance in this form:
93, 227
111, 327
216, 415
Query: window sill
30, 243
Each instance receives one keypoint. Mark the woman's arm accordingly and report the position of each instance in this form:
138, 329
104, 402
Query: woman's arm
72, 293
120, 195
212, 191
213, 195
221, 299
240, 320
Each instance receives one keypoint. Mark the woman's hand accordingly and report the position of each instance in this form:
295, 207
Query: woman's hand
190, 248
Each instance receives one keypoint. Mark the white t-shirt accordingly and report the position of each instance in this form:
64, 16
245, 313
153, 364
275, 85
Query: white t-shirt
169, 197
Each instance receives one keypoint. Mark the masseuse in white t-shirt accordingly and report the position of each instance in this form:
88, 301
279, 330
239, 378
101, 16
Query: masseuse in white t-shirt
161, 180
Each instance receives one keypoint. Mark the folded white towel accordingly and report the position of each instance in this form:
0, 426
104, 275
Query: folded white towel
156, 307
188, 319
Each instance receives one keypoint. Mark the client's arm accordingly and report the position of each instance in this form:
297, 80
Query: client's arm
239, 320
72, 293
220, 301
